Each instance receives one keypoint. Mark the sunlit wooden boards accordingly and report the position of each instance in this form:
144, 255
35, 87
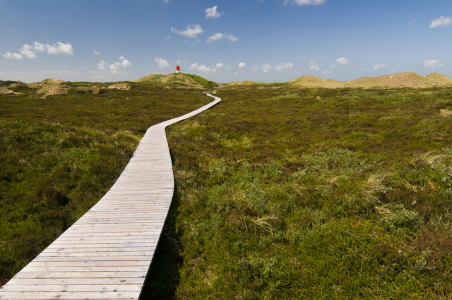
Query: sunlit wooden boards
106, 254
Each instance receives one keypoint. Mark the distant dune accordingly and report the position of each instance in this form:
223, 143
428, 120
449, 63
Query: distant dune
399, 80
189, 81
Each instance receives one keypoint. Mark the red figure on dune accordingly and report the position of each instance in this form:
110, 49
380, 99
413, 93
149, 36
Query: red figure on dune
177, 68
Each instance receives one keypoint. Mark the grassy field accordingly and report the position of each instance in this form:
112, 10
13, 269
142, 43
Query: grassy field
283, 192
61, 154
291, 193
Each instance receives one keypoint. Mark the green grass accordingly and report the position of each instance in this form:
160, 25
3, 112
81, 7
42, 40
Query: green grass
200, 79
61, 154
281, 192
288, 193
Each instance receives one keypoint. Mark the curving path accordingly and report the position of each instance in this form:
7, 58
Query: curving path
107, 252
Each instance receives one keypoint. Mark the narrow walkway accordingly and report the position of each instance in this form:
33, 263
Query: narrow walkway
106, 254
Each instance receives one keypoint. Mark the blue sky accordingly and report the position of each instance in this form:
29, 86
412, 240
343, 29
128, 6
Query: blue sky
260, 40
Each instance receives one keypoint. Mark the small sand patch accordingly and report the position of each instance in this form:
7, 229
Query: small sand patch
446, 112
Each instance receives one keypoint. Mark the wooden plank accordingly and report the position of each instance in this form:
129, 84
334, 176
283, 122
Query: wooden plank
126, 239
85, 269
151, 235
88, 264
104, 244
69, 295
76, 281
96, 249
97, 258
58, 275
74, 288
80, 255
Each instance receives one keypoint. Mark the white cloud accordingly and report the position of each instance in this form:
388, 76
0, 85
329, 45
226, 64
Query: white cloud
30, 50
254, 69
313, 66
219, 36
12, 55
161, 63
192, 31
242, 64
333, 66
284, 66
102, 65
57, 48
342, 61
442, 21
165, 1
304, 2
200, 68
219, 65
212, 12
433, 64
26, 50
114, 66
95, 52
124, 62
326, 72
168, 37
266, 67
379, 67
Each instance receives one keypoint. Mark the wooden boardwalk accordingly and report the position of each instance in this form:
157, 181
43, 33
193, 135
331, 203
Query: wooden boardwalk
106, 254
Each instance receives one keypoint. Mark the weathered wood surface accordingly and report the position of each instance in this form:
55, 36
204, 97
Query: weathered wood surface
106, 254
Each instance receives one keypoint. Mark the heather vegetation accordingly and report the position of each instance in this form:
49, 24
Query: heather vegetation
60, 154
282, 191
294, 193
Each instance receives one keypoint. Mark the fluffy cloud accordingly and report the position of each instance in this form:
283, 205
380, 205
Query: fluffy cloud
114, 68
161, 63
57, 48
212, 12
254, 69
313, 66
283, 66
123, 62
192, 31
304, 2
266, 67
242, 64
102, 65
95, 52
31, 50
12, 55
219, 36
200, 68
379, 67
342, 61
219, 65
433, 64
27, 50
442, 21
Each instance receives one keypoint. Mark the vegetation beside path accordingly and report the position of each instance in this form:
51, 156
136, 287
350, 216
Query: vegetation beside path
292, 193
282, 191
60, 154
